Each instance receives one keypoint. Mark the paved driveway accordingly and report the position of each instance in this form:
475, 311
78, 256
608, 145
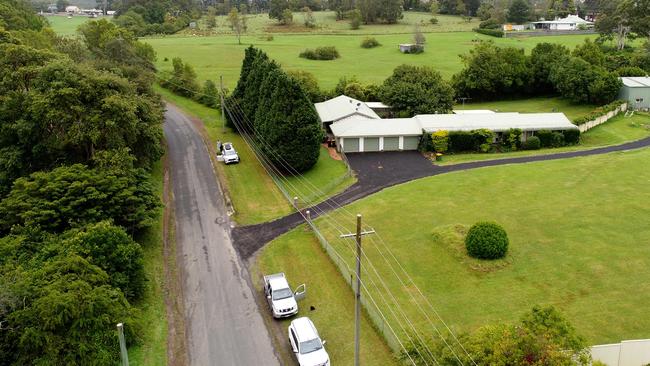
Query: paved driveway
384, 169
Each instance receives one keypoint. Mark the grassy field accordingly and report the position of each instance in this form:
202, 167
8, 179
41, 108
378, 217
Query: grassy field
153, 350
212, 56
616, 131
533, 105
578, 240
302, 259
255, 196
67, 27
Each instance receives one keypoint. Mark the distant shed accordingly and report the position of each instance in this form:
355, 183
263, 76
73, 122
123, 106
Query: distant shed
636, 90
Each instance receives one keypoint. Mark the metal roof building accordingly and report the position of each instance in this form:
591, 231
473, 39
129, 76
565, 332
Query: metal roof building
342, 107
636, 90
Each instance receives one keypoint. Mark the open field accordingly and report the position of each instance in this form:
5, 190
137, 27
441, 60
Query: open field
212, 56
616, 131
68, 27
533, 105
302, 259
578, 240
153, 350
255, 196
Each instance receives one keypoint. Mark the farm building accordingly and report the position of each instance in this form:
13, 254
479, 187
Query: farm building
363, 134
571, 22
636, 90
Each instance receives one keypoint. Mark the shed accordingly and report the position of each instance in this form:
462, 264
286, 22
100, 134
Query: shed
411, 48
636, 90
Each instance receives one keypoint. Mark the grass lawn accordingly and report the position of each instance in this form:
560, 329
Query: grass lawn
616, 131
303, 260
212, 56
255, 196
153, 350
578, 232
63, 26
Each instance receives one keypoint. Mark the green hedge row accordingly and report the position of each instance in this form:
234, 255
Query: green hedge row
598, 112
490, 32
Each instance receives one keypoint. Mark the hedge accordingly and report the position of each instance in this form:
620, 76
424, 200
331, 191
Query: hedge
321, 53
571, 137
532, 143
598, 112
490, 32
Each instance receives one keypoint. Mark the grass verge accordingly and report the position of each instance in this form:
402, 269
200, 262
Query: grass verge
299, 255
153, 350
578, 240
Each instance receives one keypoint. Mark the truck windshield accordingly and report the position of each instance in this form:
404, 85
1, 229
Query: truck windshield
282, 294
310, 346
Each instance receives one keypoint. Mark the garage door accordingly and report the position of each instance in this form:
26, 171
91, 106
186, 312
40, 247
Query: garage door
351, 145
371, 144
411, 142
391, 143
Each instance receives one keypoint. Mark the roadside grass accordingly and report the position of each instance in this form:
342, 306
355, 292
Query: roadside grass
326, 23
616, 131
299, 255
153, 350
254, 195
534, 105
63, 26
578, 232
212, 56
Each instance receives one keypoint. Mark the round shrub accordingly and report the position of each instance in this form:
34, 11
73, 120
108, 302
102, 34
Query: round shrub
486, 240
571, 137
370, 43
533, 143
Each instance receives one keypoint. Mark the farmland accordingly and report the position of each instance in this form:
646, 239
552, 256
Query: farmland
577, 230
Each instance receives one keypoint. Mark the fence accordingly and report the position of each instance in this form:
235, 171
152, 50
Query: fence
626, 353
602, 119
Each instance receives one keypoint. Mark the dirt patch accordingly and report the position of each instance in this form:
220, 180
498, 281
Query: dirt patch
176, 328
333, 153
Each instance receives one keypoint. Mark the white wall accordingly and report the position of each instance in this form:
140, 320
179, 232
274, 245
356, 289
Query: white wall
626, 353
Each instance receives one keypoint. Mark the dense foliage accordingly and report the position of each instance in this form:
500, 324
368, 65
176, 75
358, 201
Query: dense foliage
321, 53
417, 90
143, 17
486, 240
476, 140
80, 127
274, 108
532, 143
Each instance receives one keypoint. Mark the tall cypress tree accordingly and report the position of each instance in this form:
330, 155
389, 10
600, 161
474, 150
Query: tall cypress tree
260, 69
265, 97
250, 55
290, 127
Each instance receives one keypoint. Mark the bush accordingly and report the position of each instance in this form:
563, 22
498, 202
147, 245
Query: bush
545, 138
571, 137
532, 143
489, 24
512, 139
370, 42
433, 20
461, 141
440, 141
490, 32
557, 139
486, 240
321, 53
426, 142
483, 140
631, 71
415, 49
355, 18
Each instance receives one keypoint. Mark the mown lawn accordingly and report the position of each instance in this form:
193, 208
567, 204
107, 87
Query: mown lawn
578, 233
63, 26
153, 315
302, 259
255, 196
212, 56
533, 105
616, 131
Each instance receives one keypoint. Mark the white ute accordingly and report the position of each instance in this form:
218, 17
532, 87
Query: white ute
282, 300
306, 344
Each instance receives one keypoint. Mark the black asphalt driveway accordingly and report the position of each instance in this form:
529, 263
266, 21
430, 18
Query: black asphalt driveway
376, 171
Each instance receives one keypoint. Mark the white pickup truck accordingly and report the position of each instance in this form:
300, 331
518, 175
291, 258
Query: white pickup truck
282, 300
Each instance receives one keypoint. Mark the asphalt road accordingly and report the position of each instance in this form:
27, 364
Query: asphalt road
224, 326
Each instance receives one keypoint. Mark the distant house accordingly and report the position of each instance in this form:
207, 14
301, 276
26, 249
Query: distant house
411, 48
636, 90
571, 22
72, 9
513, 27
356, 132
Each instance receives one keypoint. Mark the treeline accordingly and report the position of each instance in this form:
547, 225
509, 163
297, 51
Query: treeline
271, 106
182, 81
80, 128
588, 74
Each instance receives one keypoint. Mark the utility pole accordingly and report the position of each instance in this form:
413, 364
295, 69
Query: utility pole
357, 301
125, 355
223, 111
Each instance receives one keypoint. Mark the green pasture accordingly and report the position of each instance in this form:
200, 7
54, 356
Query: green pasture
65, 26
533, 105
213, 56
578, 240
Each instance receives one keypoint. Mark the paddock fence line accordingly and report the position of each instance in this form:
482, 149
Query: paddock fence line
627, 353
602, 119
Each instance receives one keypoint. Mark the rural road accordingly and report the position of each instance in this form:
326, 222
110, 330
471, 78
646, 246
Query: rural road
224, 326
